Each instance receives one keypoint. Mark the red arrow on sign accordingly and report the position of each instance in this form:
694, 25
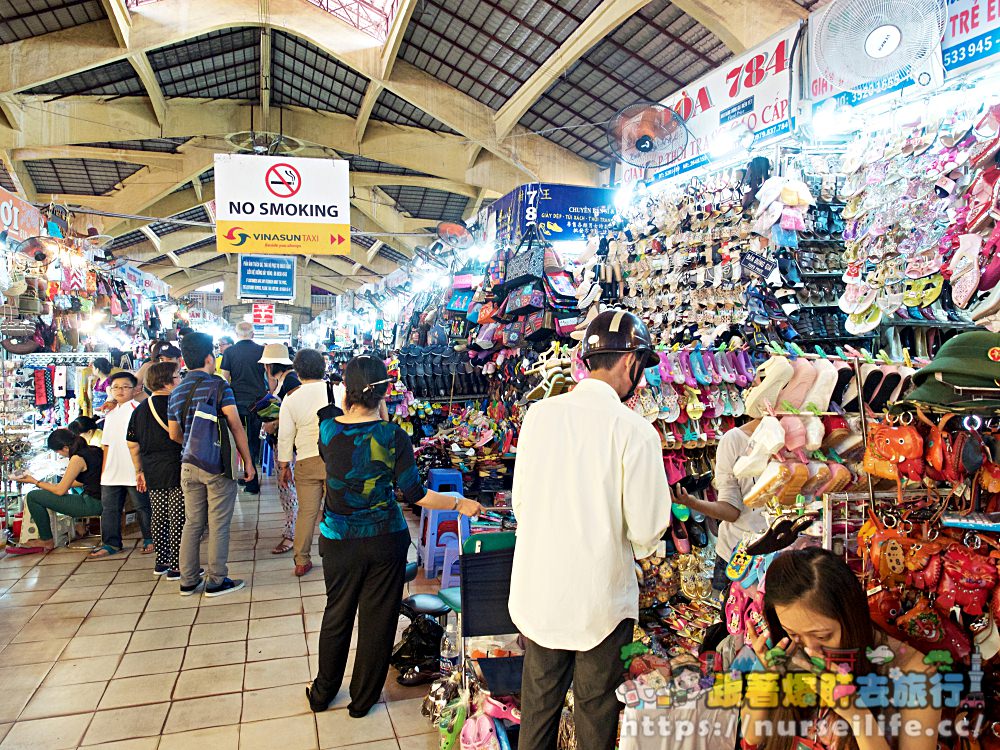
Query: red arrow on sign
337, 239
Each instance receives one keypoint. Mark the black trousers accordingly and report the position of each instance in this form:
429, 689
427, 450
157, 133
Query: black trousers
252, 424
595, 676
363, 576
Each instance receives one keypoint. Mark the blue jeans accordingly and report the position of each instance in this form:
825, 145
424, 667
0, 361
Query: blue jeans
112, 505
720, 581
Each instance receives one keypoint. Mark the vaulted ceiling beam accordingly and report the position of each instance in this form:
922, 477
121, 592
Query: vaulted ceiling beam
397, 29
120, 20
368, 103
14, 172
83, 120
145, 158
743, 24
601, 22
158, 24
140, 62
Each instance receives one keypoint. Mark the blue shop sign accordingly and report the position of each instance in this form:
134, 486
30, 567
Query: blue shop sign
267, 277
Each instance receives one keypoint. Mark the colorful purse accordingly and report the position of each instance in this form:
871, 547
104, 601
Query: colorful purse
967, 581
525, 299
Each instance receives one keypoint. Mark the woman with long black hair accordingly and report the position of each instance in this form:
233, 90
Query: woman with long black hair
364, 537
815, 608
83, 471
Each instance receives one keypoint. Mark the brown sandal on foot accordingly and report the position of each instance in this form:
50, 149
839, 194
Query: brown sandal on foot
285, 545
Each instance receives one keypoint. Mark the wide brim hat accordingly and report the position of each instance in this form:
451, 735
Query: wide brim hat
275, 354
967, 361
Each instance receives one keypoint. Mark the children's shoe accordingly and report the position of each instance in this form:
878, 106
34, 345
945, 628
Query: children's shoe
161, 570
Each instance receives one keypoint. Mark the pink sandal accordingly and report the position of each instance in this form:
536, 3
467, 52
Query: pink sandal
499, 709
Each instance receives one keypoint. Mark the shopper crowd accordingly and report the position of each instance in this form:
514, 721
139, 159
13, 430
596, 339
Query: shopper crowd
139, 454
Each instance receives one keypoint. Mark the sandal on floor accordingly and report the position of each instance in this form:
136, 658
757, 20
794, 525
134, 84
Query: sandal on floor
105, 550
285, 545
148, 547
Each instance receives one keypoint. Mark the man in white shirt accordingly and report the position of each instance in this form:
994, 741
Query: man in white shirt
118, 475
590, 496
298, 439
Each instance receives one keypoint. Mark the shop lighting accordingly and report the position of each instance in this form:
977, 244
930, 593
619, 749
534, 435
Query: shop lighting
624, 196
92, 323
481, 253
54, 272
832, 121
731, 142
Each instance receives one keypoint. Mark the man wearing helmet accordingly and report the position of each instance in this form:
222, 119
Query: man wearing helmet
590, 496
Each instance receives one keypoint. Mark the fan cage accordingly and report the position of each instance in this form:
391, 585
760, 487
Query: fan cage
847, 26
658, 128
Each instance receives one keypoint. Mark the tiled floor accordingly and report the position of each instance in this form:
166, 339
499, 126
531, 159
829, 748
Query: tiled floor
102, 655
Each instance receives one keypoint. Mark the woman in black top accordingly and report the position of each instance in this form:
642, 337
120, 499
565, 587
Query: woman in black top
364, 537
83, 471
157, 461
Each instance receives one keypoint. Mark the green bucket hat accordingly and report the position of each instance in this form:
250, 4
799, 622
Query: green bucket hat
969, 360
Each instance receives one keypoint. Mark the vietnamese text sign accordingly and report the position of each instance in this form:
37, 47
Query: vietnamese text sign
282, 205
748, 92
562, 212
267, 277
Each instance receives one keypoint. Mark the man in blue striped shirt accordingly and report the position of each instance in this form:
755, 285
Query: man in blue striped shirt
209, 499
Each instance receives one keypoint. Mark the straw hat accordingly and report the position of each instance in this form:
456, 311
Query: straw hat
275, 354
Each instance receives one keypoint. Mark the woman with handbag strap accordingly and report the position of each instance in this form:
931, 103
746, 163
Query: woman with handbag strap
157, 461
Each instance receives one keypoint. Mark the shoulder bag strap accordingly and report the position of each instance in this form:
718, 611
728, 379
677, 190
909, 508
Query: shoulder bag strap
157, 417
187, 405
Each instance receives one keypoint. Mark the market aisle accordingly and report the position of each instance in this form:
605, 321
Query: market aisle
99, 654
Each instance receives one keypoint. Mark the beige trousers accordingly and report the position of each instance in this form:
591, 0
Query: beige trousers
310, 485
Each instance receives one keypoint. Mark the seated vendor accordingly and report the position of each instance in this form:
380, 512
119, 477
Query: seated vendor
815, 608
83, 471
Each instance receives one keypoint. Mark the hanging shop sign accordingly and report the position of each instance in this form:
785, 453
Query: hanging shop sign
272, 330
561, 212
262, 313
267, 277
748, 93
19, 220
971, 40
281, 205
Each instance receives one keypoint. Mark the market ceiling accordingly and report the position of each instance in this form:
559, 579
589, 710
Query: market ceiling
441, 106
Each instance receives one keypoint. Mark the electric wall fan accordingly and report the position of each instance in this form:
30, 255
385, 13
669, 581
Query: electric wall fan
646, 134
877, 44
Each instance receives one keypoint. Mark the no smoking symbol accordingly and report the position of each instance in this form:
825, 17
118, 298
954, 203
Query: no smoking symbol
283, 180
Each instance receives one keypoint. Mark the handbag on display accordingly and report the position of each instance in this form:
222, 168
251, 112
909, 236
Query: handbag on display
460, 300
525, 299
539, 325
513, 333
527, 263
496, 269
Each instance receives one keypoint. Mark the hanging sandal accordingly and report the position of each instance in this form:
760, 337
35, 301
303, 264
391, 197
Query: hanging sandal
285, 545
